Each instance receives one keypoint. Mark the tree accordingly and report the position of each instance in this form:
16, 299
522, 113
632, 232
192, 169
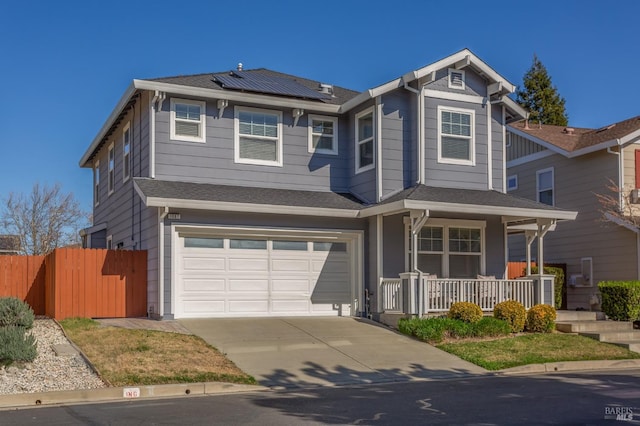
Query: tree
44, 219
540, 97
617, 205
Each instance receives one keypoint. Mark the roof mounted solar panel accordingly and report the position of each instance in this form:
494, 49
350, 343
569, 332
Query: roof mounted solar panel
260, 83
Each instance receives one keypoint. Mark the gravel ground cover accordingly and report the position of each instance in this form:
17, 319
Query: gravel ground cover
48, 372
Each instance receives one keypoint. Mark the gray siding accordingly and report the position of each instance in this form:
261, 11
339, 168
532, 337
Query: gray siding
363, 185
497, 147
393, 241
629, 166
474, 84
249, 219
453, 175
213, 161
398, 140
519, 147
576, 181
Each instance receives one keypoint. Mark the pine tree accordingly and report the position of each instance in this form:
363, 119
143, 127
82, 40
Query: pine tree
540, 97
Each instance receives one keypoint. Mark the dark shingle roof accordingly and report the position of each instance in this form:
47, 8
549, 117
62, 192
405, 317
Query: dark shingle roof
467, 196
9, 243
206, 81
152, 188
581, 137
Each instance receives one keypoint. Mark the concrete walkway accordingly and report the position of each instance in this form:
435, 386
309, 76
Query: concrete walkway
303, 352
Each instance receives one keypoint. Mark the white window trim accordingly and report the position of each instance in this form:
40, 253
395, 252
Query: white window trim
450, 85
515, 186
203, 121
588, 278
96, 183
111, 173
358, 142
472, 139
126, 128
446, 224
236, 137
109, 243
553, 184
334, 120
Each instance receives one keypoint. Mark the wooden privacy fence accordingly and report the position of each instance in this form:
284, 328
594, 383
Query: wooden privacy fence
73, 282
515, 269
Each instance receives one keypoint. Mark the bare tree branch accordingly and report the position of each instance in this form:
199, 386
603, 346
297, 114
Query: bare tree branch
44, 219
617, 203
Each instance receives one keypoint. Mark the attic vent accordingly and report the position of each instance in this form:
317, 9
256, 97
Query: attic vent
239, 68
326, 88
569, 130
456, 79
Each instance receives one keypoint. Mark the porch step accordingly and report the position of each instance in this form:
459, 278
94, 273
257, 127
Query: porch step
592, 326
563, 316
614, 336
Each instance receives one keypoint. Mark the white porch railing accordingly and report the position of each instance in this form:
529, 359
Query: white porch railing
392, 295
437, 295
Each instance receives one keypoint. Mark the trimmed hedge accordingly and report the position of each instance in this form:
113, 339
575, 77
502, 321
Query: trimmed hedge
15, 312
513, 312
621, 299
541, 318
558, 282
465, 311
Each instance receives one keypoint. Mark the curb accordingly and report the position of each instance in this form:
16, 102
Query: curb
554, 367
122, 394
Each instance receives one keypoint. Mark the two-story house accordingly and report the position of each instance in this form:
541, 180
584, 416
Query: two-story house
258, 193
569, 168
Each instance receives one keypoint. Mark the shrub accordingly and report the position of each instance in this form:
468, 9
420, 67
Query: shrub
558, 282
513, 312
407, 325
621, 299
16, 345
15, 312
465, 311
541, 319
491, 327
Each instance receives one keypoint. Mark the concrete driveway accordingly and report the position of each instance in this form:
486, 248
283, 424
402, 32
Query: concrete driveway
303, 352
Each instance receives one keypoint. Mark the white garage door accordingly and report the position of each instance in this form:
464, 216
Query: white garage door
258, 276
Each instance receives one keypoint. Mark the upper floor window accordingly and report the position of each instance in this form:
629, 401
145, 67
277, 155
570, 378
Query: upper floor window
364, 141
258, 136
188, 120
126, 152
456, 141
544, 186
96, 183
456, 79
323, 134
111, 169
512, 183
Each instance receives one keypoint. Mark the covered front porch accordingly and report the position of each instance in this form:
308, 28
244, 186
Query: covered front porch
432, 252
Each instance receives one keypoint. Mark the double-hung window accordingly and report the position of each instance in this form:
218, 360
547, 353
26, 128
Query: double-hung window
126, 153
364, 141
258, 136
323, 134
544, 186
456, 131
96, 183
188, 120
111, 169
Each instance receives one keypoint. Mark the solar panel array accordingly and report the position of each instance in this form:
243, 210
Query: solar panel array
260, 83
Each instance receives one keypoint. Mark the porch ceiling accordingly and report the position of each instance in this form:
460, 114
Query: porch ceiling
454, 200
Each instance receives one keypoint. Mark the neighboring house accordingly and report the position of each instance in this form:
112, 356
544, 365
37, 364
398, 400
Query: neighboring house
566, 167
9, 244
259, 193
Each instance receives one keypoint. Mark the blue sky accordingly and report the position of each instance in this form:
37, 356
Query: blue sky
65, 64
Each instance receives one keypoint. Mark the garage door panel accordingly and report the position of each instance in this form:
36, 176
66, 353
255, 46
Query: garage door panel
284, 306
245, 285
203, 263
203, 284
290, 265
290, 285
248, 264
337, 266
203, 307
249, 306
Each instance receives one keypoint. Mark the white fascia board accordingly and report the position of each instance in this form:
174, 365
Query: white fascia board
247, 207
514, 107
622, 223
529, 158
537, 140
630, 137
460, 97
593, 148
271, 101
396, 206
107, 124
354, 102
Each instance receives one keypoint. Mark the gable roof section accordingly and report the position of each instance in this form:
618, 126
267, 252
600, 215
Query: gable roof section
467, 201
583, 140
158, 193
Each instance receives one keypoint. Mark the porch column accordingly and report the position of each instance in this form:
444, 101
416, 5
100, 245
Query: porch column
543, 228
529, 237
418, 219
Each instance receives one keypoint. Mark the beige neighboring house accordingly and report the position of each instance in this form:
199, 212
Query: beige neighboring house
566, 167
9, 245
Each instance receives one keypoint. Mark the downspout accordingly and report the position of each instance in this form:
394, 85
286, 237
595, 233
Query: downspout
420, 131
158, 98
489, 147
378, 139
504, 151
162, 213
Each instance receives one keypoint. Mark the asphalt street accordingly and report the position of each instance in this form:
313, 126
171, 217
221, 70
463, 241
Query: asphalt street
552, 399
